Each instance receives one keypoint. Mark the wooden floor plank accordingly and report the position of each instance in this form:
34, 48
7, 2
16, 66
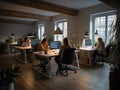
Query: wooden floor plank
87, 78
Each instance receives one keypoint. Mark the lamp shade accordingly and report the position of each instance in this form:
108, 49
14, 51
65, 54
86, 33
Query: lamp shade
58, 31
44, 35
96, 32
86, 35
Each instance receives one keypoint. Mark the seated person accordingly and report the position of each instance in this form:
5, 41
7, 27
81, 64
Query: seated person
100, 49
27, 43
43, 46
65, 45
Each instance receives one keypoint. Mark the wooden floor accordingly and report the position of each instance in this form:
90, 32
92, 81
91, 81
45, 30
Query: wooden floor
87, 78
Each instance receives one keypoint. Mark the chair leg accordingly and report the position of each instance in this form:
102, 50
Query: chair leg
66, 70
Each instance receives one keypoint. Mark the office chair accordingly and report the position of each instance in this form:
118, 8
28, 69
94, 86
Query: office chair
101, 57
68, 58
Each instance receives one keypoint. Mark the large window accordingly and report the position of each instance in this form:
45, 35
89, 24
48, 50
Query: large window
41, 31
62, 24
101, 26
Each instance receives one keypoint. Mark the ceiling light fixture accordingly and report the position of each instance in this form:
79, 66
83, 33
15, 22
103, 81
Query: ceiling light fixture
96, 32
58, 31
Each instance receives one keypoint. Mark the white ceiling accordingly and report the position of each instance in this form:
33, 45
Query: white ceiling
75, 4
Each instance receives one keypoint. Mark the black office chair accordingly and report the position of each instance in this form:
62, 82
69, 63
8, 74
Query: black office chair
68, 58
102, 57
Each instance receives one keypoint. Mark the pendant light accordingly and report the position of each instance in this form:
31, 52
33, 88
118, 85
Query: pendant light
96, 32
58, 31
86, 35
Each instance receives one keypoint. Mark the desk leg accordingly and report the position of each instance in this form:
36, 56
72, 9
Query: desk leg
90, 61
25, 56
49, 72
77, 60
9, 52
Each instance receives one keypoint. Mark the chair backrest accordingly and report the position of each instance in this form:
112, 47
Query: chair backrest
108, 50
68, 55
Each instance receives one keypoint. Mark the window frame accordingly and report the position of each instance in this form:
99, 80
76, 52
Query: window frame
92, 23
41, 31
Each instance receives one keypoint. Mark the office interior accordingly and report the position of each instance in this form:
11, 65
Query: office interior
77, 26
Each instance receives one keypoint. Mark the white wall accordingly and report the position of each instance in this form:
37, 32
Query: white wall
20, 30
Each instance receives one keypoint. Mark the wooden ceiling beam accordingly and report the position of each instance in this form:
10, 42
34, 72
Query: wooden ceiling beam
16, 21
112, 3
39, 4
12, 13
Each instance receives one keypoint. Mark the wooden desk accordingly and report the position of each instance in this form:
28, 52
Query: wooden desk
48, 56
23, 49
11, 46
85, 55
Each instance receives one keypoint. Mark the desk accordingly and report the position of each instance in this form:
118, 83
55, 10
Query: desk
21, 48
53, 53
11, 46
48, 56
85, 55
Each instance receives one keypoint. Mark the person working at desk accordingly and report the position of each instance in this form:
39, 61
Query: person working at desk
65, 45
43, 46
100, 49
27, 43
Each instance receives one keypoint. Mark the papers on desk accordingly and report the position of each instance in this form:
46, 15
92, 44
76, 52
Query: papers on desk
50, 53
87, 48
21, 47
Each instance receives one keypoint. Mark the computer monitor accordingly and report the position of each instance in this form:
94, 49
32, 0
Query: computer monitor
87, 42
35, 41
55, 44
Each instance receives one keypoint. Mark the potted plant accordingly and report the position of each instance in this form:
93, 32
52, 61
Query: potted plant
114, 57
8, 75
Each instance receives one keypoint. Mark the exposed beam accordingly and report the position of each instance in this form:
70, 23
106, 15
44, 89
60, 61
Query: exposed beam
38, 4
112, 3
16, 21
12, 13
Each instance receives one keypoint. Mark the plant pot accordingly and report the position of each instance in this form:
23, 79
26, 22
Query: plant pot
114, 80
11, 86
